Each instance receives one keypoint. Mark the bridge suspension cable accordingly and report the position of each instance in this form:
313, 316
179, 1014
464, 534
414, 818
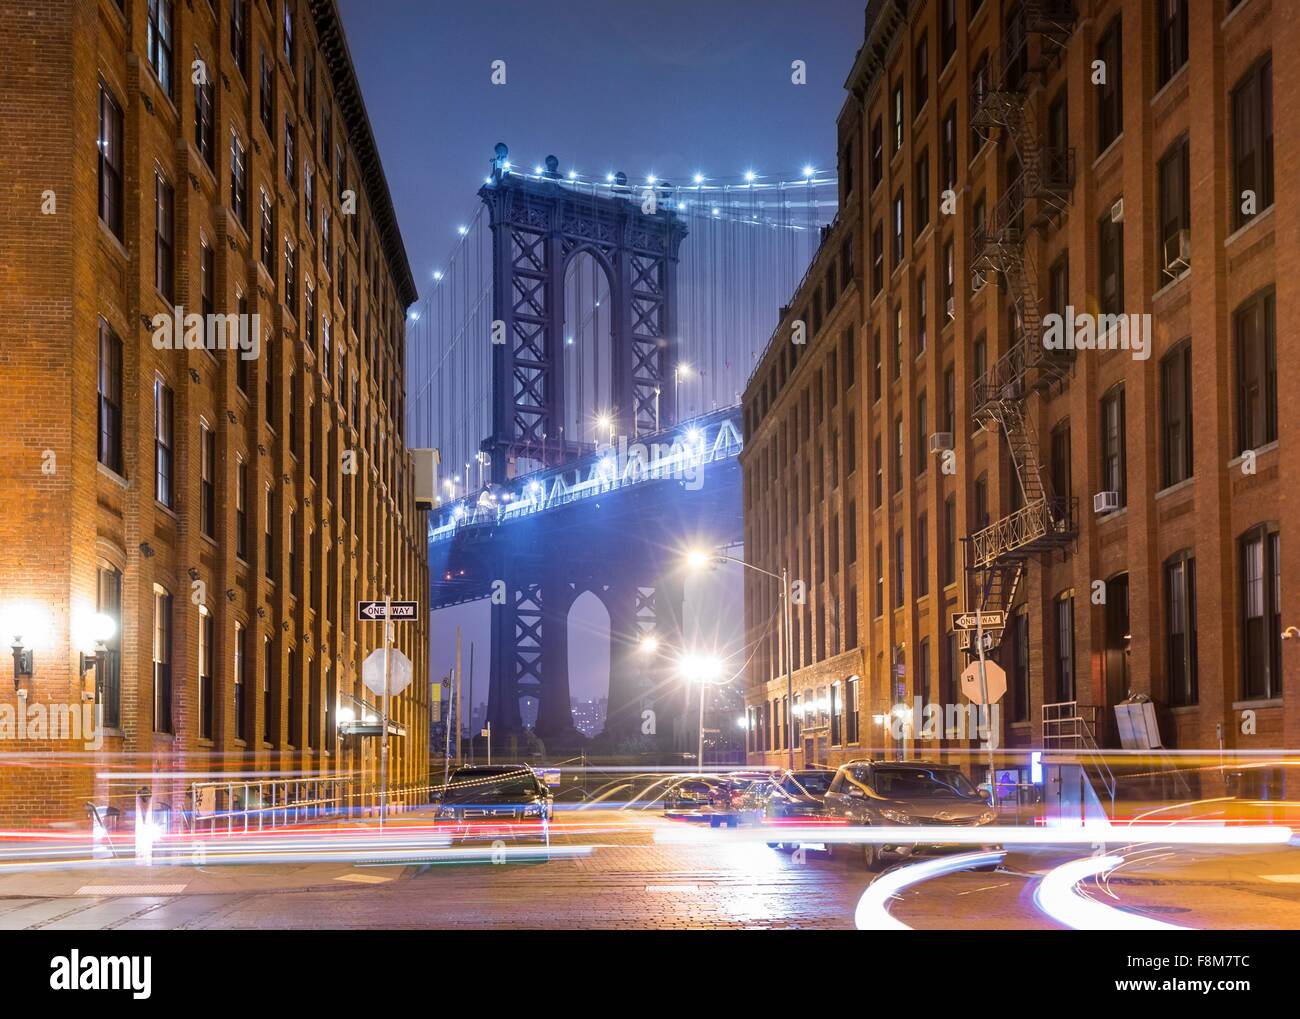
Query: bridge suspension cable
748, 244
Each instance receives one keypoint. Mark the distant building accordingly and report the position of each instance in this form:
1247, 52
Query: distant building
589, 715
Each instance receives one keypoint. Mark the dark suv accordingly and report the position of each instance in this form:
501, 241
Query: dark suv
494, 793
896, 794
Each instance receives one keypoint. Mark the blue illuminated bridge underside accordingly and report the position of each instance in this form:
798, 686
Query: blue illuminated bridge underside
644, 500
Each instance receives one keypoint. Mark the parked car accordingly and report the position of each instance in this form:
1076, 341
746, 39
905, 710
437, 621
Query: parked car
693, 793
494, 793
785, 798
898, 794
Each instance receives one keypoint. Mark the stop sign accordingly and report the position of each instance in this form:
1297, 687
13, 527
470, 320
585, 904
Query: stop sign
995, 677
399, 671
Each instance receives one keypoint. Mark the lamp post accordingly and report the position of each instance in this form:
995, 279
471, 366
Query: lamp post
697, 559
706, 671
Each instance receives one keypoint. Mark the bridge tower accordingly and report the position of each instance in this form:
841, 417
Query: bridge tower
539, 224
997, 555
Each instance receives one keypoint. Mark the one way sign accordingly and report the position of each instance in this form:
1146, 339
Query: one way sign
975, 620
398, 610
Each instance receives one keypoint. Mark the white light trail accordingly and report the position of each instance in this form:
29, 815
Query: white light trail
871, 914
1056, 896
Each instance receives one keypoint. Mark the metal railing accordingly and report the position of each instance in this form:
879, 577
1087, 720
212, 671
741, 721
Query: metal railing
273, 803
1072, 727
1047, 517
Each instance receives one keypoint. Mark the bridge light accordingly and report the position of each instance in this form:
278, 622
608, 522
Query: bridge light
749, 176
609, 178
694, 435
700, 668
651, 179
808, 170
573, 175
458, 512
715, 210
537, 169
649, 644
437, 274
698, 178
462, 230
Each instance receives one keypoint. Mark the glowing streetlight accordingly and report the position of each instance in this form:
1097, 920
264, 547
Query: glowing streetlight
697, 559
649, 644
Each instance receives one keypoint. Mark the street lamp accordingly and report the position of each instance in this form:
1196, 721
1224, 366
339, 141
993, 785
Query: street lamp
706, 670
698, 558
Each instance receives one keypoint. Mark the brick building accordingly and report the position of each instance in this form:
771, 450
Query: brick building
925, 451
225, 510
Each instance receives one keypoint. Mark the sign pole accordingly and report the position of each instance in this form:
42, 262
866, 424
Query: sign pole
489, 741
988, 708
383, 745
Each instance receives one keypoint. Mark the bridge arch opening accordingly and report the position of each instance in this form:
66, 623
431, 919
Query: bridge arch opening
588, 636
588, 338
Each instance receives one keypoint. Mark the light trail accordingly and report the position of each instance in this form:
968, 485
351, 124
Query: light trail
1057, 897
871, 914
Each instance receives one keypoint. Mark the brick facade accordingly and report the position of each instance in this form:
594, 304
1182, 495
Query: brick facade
802, 402
295, 417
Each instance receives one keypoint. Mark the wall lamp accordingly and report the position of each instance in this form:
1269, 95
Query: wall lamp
100, 630
22, 662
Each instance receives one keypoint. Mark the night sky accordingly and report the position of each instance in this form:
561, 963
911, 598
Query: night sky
669, 88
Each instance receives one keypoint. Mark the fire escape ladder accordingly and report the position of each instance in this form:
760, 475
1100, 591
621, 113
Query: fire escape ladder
997, 554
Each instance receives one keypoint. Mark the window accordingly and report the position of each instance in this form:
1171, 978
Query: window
163, 446
268, 234
289, 174
921, 193
163, 238
851, 710
1110, 96
877, 259
207, 481
922, 583
291, 696
877, 153
308, 194
207, 276
1172, 29
1112, 443
110, 161
898, 453
979, 86
158, 39
922, 430
241, 705
948, 150
950, 400
875, 365
265, 93
837, 731
269, 568
108, 676
1111, 251
1176, 415
207, 644
898, 341
290, 278
981, 502
239, 35
294, 585
162, 660
241, 509
205, 136
268, 688
309, 312
921, 67
922, 301
900, 568
1175, 228
877, 486
1015, 49
288, 33
1060, 464
110, 399
1252, 142
1058, 285
947, 31
878, 600
1261, 607
238, 180
898, 116
898, 229
1018, 680
949, 540
1065, 646
1256, 341
1180, 625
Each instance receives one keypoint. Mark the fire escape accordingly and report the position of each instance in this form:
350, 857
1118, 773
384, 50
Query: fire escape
997, 555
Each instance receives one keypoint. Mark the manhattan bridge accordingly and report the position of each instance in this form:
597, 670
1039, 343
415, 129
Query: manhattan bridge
578, 362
